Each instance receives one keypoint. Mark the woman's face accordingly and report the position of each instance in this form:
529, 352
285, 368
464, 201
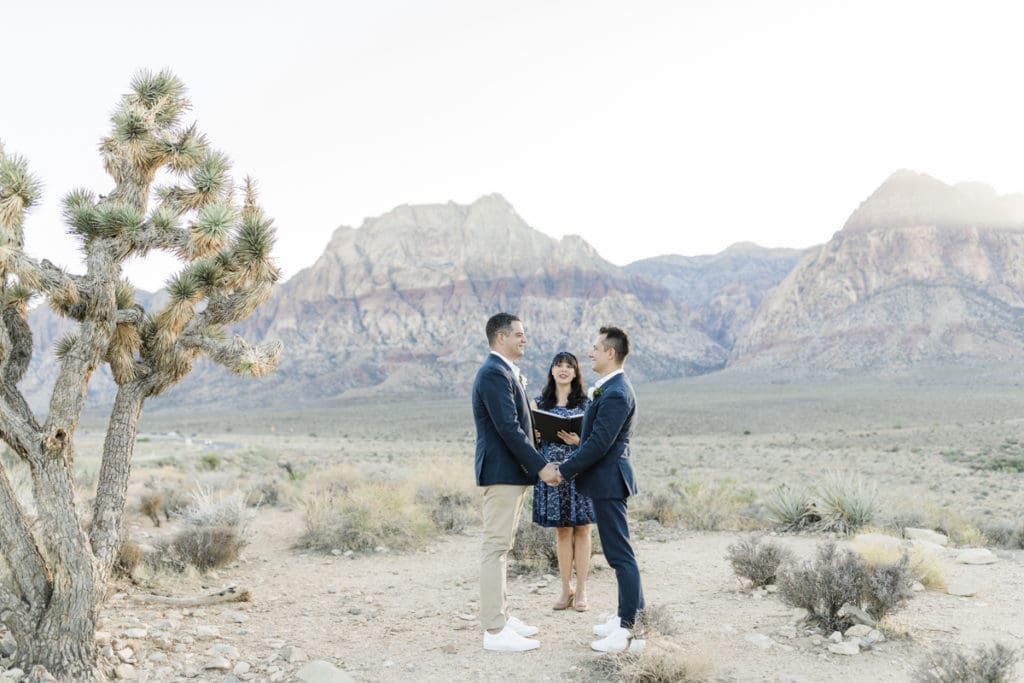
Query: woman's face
563, 372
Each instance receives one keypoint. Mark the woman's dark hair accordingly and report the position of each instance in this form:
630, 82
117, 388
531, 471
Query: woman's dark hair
577, 396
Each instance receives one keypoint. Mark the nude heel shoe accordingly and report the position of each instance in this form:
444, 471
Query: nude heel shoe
559, 606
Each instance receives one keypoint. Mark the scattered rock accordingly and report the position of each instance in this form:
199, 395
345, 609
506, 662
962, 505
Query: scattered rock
241, 668
102, 638
976, 556
963, 586
836, 637
759, 639
917, 587
14, 674
292, 654
850, 647
125, 672
856, 615
858, 631
925, 535
126, 654
8, 646
166, 625
218, 664
874, 636
157, 657
320, 671
206, 631
798, 615
223, 650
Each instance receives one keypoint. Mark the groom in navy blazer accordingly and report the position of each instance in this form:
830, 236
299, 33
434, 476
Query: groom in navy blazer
507, 464
603, 470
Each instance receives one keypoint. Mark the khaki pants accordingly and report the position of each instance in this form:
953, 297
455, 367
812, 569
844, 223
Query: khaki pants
502, 505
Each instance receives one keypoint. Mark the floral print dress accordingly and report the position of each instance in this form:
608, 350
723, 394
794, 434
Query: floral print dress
560, 505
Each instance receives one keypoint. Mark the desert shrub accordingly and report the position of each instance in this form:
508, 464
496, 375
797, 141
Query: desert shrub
207, 547
534, 548
656, 620
660, 662
924, 565
711, 507
758, 561
210, 462
887, 585
791, 509
364, 518
129, 557
214, 531
1005, 535
837, 576
151, 505
986, 664
846, 503
450, 503
663, 507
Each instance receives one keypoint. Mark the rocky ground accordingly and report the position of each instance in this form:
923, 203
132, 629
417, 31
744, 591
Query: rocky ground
389, 617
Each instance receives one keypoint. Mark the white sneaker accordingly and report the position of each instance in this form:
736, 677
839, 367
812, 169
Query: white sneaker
602, 630
522, 629
619, 640
508, 641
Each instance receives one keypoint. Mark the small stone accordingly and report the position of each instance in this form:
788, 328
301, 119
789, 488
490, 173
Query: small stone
241, 668
166, 625
976, 556
14, 674
335, 552
858, 631
874, 636
319, 671
817, 640
799, 614
206, 631
136, 633
223, 650
156, 657
218, 664
125, 672
759, 639
856, 614
292, 654
836, 637
126, 654
917, 587
771, 588
848, 648
350, 553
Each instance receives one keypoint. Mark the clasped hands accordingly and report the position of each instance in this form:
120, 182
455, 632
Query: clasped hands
550, 474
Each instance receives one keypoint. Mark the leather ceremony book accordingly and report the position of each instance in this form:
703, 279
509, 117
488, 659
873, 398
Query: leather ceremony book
549, 424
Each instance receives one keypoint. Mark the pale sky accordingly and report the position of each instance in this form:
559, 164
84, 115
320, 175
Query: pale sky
648, 128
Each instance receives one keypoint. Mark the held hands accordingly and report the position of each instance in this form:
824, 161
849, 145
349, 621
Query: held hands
550, 474
571, 438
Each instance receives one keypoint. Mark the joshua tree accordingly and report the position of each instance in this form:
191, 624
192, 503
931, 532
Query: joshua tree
57, 565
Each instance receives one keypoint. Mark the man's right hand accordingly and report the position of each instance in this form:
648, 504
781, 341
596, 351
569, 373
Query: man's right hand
550, 475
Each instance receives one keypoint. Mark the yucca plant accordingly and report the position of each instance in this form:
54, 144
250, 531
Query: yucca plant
58, 565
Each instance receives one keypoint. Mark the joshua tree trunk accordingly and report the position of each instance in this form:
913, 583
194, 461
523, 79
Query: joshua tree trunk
59, 562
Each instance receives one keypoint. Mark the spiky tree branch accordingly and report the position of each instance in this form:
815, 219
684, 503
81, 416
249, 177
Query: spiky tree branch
227, 271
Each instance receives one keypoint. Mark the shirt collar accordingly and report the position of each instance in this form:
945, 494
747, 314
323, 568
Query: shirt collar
515, 368
607, 377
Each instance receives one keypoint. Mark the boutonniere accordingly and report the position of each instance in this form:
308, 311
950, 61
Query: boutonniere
593, 392
522, 380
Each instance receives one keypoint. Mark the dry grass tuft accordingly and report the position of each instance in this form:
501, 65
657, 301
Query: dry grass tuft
758, 560
986, 664
924, 564
660, 662
129, 558
363, 519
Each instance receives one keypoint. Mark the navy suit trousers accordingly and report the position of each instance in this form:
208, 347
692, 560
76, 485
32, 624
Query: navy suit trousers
612, 527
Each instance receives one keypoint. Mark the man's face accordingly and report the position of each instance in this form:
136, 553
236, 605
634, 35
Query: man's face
512, 344
601, 359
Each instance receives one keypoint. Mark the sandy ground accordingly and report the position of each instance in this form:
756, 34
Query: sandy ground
393, 617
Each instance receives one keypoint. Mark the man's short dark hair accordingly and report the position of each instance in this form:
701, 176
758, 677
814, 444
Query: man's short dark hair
617, 339
499, 322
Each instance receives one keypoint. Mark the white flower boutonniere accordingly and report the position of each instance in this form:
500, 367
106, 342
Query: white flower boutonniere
593, 392
522, 380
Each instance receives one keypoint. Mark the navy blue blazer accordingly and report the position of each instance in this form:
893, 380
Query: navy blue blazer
505, 452
601, 466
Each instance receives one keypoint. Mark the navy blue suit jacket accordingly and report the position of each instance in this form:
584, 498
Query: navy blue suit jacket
601, 466
505, 452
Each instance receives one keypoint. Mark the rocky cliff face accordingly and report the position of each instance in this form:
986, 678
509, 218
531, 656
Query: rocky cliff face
724, 289
921, 272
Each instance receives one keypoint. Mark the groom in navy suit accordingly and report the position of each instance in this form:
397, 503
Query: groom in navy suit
603, 470
507, 464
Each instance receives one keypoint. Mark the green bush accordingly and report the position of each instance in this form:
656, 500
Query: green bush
792, 509
846, 503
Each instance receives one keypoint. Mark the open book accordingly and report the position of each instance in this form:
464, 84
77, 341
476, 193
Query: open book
549, 424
